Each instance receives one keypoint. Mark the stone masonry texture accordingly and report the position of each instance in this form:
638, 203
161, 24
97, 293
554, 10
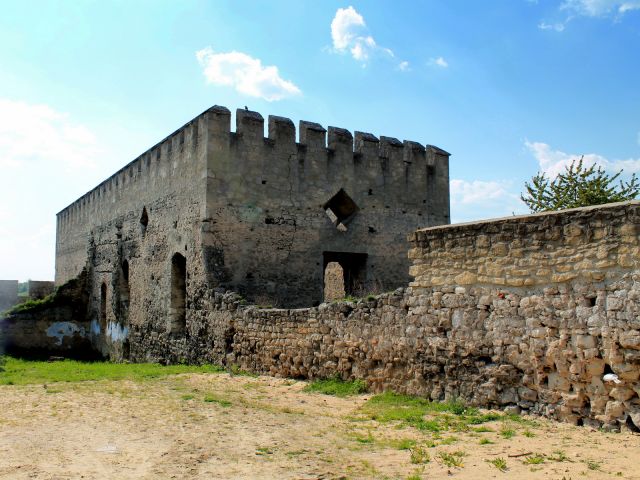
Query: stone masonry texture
8, 294
524, 312
261, 216
529, 312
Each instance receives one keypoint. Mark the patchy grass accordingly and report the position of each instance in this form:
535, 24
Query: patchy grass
500, 463
403, 443
482, 429
213, 398
426, 415
559, 456
535, 459
319, 440
24, 372
337, 387
365, 440
236, 370
593, 465
507, 432
452, 459
420, 456
264, 451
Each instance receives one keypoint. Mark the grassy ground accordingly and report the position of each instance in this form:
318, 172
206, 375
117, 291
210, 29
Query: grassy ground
101, 420
336, 386
24, 372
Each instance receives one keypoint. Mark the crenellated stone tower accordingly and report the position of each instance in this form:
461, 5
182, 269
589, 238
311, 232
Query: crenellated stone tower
210, 208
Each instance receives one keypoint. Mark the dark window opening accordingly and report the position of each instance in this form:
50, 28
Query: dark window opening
340, 209
178, 293
144, 221
354, 270
103, 308
123, 291
591, 301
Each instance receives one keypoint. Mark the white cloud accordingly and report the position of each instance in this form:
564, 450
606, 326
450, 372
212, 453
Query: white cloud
344, 26
46, 159
552, 162
600, 8
349, 33
476, 199
558, 27
590, 8
246, 74
404, 67
438, 62
30, 132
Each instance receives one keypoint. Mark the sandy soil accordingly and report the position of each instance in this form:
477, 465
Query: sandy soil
266, 428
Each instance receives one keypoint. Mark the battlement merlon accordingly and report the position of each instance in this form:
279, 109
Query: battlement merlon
281, 134
311, 135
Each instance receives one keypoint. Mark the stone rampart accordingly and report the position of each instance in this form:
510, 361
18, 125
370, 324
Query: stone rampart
56, 325
40, 288
278, 211
8, 294
165, 181
529, 312
259, 215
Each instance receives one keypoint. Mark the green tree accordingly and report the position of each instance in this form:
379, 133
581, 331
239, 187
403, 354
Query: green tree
577, 186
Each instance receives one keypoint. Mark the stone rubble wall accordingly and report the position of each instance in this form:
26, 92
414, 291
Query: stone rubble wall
54, 326
524, 312
249, 214
40, 288
8, 294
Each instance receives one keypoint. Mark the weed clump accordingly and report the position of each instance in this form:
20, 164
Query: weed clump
453, 459
337, 387
211, 398
419, 456
426, 415
500, 463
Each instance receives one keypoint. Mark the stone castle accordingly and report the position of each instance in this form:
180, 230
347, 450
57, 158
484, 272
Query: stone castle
209, 208
530, 313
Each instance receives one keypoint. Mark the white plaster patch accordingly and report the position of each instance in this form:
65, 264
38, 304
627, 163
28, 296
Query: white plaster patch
95, 327
117, 332
59, 330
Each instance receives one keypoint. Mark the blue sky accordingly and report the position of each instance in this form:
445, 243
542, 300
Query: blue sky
509, 87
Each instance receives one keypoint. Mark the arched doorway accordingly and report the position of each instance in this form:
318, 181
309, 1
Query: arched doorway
178, 293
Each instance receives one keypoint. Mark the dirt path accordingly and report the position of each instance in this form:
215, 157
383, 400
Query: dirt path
237, 427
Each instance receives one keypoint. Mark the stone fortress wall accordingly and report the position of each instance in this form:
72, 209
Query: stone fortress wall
270, 231
38, 289
529, 312
124, 232
209, 208
8, 294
